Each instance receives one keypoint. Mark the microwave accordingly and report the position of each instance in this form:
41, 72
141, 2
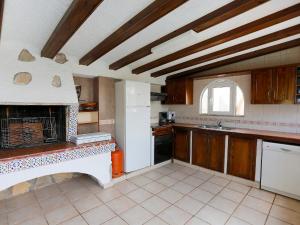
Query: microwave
166, 117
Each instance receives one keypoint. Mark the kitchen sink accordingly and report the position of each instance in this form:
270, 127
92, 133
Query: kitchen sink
214, 127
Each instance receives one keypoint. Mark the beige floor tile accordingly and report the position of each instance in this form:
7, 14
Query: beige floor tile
261, 194
20, 201
153, 175
47, 192
287, 202
155, 205
40, 220
139, 195
77, 194
3, 219
196, 221
167, 181
210, 187
23, 214
250, 215
115, 221
213, 216
232, 195
136, 215
201, 195
125, 187
108, 194
274, 221
194, 181
140, 180
286, 215
70, 185
154, 187
203, 175
170, 195
219, 181
78, 220
236, 221
223, 204
164, 170
257, 204
189, 205
54, 203
174, 166
87, 203
238, 187
121, 204
98, 215
178, 175
175, 216
156, 221
183, 188
188, 170
3, 208
61, 214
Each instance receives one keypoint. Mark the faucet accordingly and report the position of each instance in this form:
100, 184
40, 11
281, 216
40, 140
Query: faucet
219, 123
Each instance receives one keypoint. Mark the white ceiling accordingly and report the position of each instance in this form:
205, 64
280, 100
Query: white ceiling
32, 22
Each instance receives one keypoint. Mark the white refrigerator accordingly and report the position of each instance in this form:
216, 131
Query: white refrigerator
133, 123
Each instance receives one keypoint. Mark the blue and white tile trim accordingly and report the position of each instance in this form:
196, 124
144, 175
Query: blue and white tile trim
60, 156
72, 113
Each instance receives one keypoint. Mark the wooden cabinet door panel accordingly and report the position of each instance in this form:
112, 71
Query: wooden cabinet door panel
200, 154
216, 152
284, 85
182, 144
171, 90
242, 157
261, 86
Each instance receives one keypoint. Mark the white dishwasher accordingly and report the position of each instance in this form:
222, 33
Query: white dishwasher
281, 169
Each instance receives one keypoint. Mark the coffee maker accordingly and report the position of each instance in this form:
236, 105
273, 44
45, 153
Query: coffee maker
166, 118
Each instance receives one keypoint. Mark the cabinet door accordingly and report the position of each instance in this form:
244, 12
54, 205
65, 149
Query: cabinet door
200, 153
171, 91
284, 85
216, 152
242, 157
261, 86
182, 144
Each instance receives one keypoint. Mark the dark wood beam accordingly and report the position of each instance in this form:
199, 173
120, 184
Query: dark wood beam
220, 15
147, 16
194, 73
1, 14
74, 17
248, 28
231, 50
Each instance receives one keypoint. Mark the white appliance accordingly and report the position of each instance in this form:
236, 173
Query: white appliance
133, 123
281, 169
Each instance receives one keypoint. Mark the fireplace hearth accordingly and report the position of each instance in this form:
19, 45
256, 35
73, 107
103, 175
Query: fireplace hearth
27, 126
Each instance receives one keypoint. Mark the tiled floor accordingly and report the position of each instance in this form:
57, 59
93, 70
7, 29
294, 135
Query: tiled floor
172, 194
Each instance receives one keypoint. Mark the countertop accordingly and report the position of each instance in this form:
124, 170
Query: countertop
266, 135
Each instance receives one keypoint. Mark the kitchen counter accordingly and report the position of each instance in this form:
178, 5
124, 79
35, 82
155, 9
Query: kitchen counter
275, 136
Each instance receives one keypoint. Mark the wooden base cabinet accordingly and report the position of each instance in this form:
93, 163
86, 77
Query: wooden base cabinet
182, 144
208, 150
242, 157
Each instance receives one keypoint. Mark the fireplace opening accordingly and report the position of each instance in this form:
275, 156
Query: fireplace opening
27, 126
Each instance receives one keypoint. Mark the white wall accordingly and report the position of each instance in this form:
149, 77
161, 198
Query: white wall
284, 118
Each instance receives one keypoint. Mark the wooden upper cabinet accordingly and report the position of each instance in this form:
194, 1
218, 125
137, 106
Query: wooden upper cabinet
182, 144
273, 86
180, 91
242, 157
208, 150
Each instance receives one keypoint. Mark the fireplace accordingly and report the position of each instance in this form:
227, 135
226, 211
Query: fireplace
27, 126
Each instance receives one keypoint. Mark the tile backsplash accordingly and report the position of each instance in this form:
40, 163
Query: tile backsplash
285, 118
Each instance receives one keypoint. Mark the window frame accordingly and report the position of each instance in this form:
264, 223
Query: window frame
232, 105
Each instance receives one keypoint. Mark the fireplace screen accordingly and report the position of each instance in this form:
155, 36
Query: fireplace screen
26, 126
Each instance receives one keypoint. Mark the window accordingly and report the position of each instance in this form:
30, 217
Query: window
222, 97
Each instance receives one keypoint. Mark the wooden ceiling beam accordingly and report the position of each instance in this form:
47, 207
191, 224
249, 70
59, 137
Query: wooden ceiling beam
267, 21
226, 12
75, 16
1, 14
231, 50
194, 73
147, 16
